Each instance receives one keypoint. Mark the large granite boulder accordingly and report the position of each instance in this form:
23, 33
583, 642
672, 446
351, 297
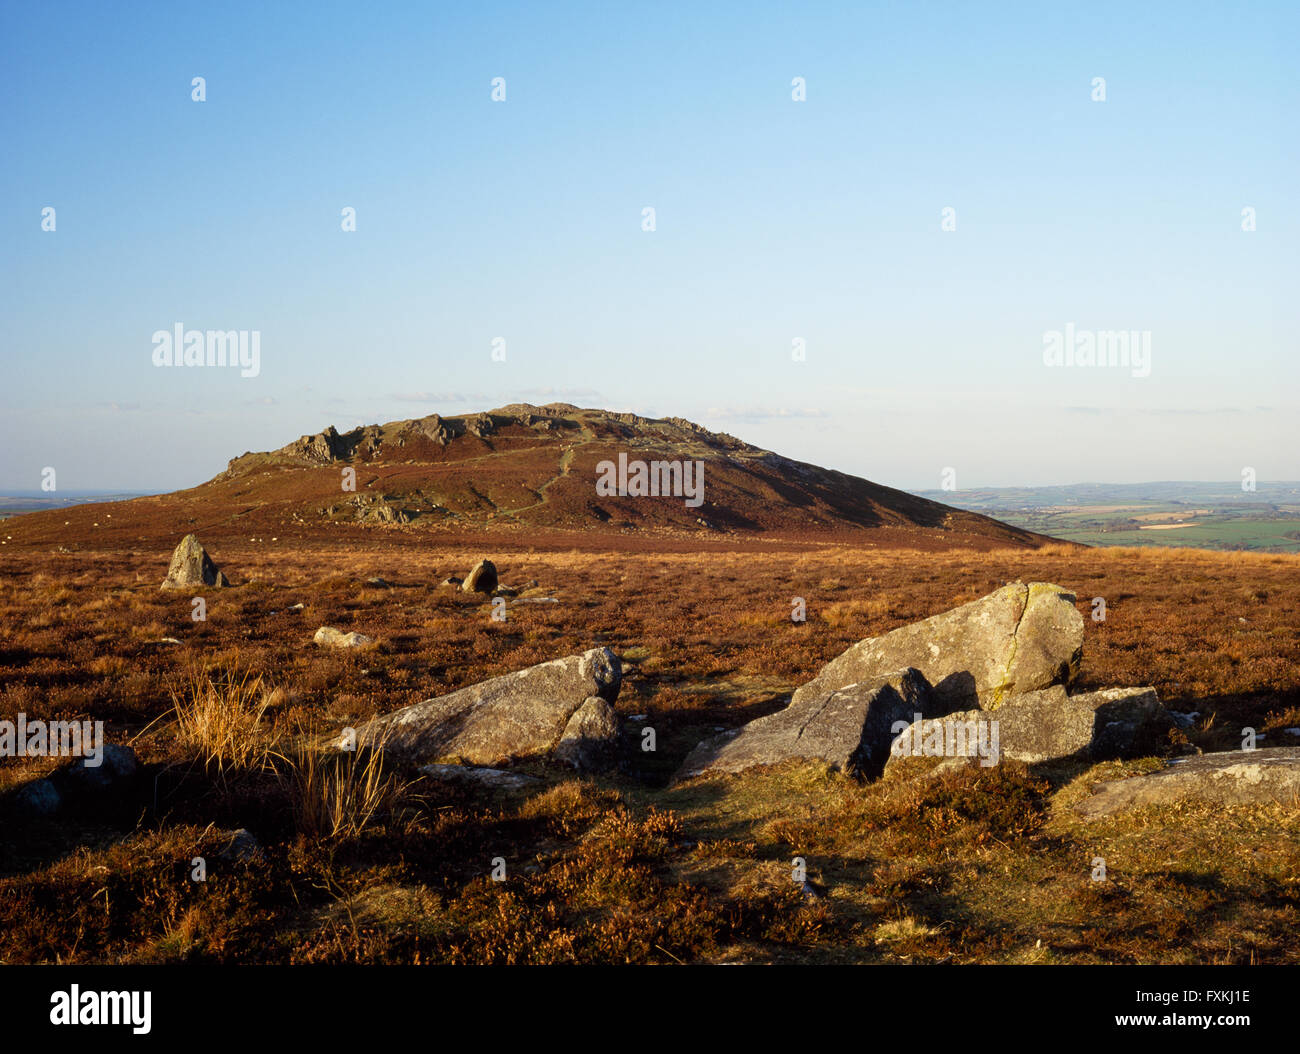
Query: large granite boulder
849, 727
191, 567
516, 715
1017, 639
1234, 777
1046, 725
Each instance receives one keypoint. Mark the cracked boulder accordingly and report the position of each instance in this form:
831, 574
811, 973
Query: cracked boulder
517, 715
1046, 725
1017, 639
1234, 777
848, 727
191, 567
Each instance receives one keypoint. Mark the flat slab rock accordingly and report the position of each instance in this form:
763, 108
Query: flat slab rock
1046, 725
1017, 639
1233, 777
516, 715
848, 727
470, 775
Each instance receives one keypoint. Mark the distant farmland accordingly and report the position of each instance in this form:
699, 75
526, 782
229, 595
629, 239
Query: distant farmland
1185, 515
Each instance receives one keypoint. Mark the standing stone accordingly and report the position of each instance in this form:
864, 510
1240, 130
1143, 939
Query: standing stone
516, 715
481, 579
191, 566
1017, 639
849, 727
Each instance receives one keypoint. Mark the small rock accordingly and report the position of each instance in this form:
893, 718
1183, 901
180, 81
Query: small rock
243, 846
337, 639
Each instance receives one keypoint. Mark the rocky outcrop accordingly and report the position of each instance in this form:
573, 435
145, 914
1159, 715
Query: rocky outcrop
192, 568
849, 728
516, 715
1236, 777
1018, 639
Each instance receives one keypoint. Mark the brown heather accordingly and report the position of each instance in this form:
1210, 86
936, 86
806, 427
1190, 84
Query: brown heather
358, 864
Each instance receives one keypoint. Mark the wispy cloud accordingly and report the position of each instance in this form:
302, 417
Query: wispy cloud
563, 393
440, 397
1168, 411
759, 413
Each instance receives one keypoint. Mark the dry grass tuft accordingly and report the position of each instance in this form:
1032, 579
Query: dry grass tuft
220, 716
339, 794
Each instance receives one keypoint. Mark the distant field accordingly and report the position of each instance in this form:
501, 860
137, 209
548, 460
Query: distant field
1187, 515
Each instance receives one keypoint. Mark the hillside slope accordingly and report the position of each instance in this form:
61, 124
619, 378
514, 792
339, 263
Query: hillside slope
531, 469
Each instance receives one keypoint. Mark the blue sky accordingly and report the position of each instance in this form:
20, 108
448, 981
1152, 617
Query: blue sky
775, 220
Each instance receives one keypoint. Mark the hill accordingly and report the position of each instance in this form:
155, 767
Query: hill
531, 469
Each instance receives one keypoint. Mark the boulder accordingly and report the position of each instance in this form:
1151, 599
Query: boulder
38, 798
472, 776
1234, 777
849, 727
590, 739
117, 765
338, 639
481, 579
191, 567
242, 847
1017, 639
1046, 725
516, 715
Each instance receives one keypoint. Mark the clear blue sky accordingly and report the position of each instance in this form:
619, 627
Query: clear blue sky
775, 219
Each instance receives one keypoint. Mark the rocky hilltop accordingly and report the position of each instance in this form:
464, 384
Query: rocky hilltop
532, 470
537, 466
